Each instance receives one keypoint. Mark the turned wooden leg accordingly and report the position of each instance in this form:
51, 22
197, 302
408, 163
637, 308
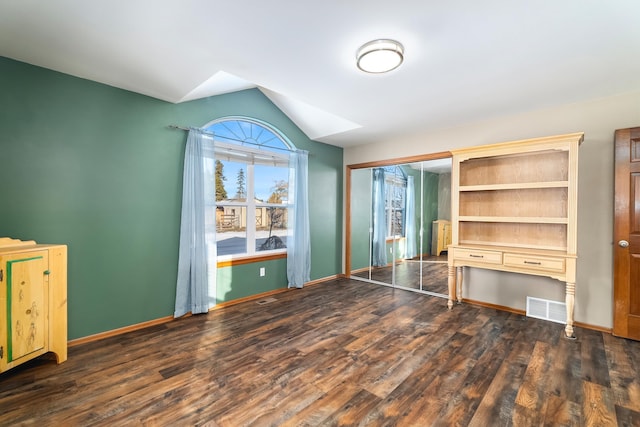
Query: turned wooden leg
452, 286
570, 301
459, 278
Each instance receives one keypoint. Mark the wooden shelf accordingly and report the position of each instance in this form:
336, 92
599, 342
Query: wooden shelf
528, 246
523, 220
504, 169
515, 186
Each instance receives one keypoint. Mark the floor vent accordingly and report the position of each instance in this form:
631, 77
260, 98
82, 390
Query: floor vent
547, 310
266, 301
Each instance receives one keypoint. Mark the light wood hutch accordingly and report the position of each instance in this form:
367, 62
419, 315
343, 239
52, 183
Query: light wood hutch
33, 301
440, 236
514, 208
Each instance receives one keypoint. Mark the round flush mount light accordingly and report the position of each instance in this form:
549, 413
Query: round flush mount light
380, 56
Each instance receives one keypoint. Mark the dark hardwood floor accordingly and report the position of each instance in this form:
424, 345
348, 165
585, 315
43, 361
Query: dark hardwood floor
338, 353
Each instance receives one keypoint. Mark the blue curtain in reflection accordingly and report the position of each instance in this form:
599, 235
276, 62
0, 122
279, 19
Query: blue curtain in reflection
379, 238
410, 220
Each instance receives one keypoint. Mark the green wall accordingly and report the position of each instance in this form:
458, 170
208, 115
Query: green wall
430, 208
96, 168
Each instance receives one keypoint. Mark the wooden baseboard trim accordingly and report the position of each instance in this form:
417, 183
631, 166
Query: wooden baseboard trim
143, 325
358, 270
249, 298
593, 327
120, 331
524, 313
269, 293
495, 306
324, 279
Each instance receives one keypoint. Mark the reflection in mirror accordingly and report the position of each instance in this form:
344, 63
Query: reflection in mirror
400, 225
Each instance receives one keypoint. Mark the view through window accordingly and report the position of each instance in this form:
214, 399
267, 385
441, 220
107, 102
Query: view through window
395, 194
252, 187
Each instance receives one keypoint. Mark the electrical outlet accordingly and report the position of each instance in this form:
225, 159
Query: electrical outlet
262, 272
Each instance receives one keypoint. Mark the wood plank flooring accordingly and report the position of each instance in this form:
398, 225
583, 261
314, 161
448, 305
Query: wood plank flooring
336, 354
408, 272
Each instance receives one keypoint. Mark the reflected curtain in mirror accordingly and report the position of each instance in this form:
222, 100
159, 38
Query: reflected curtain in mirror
410, 220
379, 240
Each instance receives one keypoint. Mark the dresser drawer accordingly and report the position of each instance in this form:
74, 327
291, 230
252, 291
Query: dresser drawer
534, 262
487, 257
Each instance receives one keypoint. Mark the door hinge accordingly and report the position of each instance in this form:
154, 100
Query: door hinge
1, 352
1, 275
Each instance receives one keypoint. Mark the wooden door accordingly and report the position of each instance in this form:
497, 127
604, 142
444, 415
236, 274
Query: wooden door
626, 235
26, 308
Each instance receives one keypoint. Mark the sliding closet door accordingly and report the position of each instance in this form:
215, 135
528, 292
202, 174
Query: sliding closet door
408, 238
372, 249
360, 223
391, 214
436, 208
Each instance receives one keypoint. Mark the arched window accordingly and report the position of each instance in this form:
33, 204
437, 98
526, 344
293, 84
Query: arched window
252, 184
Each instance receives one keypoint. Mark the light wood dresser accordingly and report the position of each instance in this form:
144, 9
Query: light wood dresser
514, 208
33, 301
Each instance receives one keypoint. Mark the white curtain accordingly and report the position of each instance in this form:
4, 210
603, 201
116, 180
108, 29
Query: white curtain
379, 240
195, 288
298, 239
410, 220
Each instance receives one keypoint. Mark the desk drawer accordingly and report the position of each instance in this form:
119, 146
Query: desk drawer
534, 262
486, 257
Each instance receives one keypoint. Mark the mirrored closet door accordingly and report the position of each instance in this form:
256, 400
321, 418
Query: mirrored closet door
399, 224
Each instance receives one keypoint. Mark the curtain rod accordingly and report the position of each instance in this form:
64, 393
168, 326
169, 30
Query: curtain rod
212, 134
188, 128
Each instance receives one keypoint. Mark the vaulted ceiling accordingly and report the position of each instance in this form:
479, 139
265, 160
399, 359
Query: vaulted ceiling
465, 61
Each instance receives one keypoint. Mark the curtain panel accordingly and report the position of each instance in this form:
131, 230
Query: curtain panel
299, 240
195, 287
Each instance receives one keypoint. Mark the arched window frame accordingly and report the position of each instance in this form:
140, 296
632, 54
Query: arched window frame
258, 146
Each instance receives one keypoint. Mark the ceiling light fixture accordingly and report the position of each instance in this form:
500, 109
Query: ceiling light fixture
380, 56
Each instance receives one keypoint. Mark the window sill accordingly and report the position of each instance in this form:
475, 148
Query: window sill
229, 261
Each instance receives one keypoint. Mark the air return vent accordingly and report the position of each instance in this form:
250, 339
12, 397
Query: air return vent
547, 310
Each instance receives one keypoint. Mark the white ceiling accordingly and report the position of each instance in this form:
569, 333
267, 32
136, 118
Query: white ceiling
465, 61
